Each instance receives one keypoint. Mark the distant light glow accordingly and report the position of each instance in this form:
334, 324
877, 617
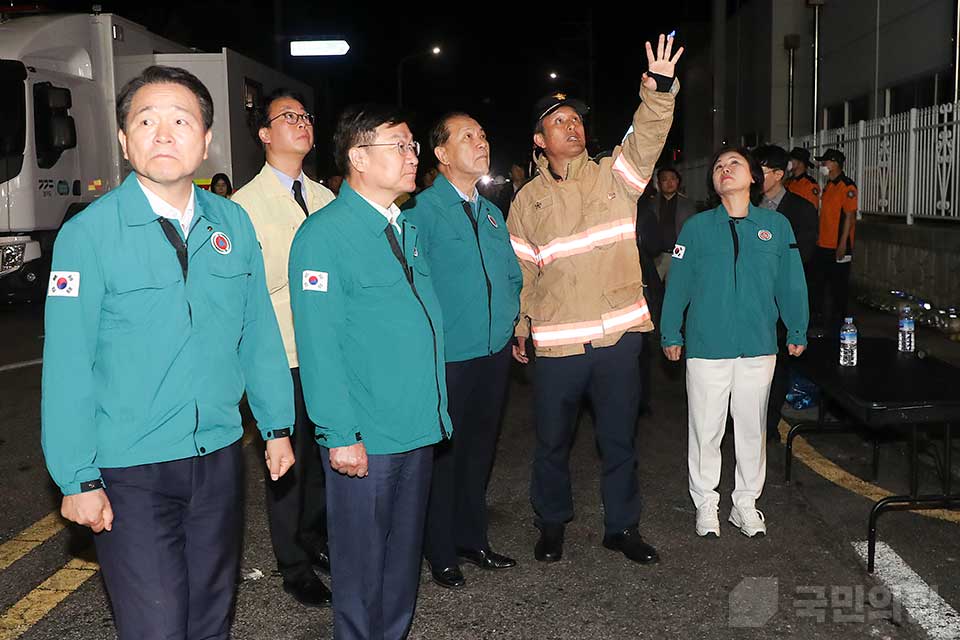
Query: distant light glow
319, 48
553, 75
486, 180
436, 51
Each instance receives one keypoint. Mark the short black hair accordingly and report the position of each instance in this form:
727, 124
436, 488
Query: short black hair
672, 169
756, 172
772, 157
221, 177
159, 74
358, 125
439, 133
261, 115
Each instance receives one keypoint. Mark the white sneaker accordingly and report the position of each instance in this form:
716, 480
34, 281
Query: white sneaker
750, 521
708, 521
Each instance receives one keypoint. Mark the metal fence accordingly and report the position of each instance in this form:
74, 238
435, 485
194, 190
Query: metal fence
905, 165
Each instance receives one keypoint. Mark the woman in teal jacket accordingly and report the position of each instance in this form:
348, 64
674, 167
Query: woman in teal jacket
735, 270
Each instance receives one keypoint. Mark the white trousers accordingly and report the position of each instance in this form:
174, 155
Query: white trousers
741, 385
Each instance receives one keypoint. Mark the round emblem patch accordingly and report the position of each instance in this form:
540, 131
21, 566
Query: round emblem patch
221, 243
492, 221
62, 283
313, 280
850, 193
764, 235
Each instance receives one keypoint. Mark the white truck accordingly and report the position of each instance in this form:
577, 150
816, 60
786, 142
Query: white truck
59, 77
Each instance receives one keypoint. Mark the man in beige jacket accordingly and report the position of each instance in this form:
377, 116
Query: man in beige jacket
278, 200
573, 228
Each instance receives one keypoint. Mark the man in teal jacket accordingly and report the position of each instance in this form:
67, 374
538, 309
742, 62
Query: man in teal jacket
736, 269
478, 282
369, 336
157, 320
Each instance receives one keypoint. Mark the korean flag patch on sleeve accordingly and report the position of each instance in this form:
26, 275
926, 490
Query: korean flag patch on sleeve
678, 251
64, 283
314, 280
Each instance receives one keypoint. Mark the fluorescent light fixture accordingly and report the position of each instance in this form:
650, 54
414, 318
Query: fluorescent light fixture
319, 47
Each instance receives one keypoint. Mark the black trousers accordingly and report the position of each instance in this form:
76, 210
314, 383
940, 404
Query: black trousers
376, 541
457, 513
610, 378
296, 503
831, 290
171, 561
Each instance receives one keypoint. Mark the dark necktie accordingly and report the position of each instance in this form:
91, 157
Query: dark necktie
298, 196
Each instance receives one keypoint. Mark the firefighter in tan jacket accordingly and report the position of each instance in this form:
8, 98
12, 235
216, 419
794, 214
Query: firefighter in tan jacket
573, 230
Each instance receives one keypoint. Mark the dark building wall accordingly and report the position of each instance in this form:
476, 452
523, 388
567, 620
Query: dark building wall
923, 259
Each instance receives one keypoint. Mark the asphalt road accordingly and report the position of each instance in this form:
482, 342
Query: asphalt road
803, 580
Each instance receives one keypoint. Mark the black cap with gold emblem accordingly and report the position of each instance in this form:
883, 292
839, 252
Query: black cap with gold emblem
550, 103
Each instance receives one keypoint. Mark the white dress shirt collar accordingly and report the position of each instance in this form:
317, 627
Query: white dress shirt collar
166, 210
390, 213
287, 181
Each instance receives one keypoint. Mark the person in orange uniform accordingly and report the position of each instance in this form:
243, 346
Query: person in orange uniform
838, 209
800, 182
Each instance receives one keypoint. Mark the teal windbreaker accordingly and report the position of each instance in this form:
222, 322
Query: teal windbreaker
475, 271
732, 305
369, 333
141, 365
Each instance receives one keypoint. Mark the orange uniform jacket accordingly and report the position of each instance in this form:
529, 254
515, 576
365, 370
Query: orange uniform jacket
840, 197
805, 187
576, 240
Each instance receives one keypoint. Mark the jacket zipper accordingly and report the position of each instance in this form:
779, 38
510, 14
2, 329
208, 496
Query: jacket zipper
736, 250
433, 332
483, 265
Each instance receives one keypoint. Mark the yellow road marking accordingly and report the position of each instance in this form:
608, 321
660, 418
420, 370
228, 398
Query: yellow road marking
825, 468
38, 603
18, 619
30, 538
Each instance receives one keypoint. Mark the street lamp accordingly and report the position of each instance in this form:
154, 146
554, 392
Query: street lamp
435, 51
553, 75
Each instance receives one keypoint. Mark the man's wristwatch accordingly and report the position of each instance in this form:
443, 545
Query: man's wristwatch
91, 485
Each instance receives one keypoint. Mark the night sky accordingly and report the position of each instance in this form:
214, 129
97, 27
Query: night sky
494, 65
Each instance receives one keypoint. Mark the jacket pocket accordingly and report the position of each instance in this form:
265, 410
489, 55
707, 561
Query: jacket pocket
378, 279
227, 295
544, 306
623, 295
139, 299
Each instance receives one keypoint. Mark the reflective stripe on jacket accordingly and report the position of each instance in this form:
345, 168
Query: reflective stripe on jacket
576, 240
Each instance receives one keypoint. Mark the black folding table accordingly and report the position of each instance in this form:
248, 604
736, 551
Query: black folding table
886, 390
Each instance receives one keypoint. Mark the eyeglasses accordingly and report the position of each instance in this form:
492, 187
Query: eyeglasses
294, 119
401, 147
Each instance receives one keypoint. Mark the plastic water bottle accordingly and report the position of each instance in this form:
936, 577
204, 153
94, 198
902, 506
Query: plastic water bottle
848, 343
905, 342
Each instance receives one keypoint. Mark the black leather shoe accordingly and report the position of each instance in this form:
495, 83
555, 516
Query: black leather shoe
448, 577
549, 547
486, 559
318, 552
309, 591
631, 544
